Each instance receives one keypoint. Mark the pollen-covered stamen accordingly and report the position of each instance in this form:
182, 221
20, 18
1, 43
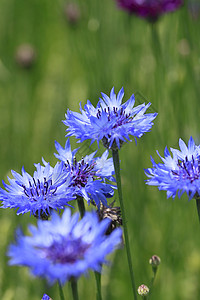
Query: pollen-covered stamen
81, 172
188, 169
38, 189
66, 251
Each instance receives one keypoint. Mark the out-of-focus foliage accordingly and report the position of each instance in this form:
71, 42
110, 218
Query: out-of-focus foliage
52, 56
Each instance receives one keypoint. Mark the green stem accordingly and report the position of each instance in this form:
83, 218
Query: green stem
74, 289
116, 162
152, 282
98, 283
61, 291
81, 206
198, 207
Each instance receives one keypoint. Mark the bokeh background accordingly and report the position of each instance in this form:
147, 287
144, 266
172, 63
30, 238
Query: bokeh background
54, 54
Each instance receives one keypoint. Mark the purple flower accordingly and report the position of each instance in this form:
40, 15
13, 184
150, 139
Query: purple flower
178, 173
48, 189
64, 247
149, 9
111, 121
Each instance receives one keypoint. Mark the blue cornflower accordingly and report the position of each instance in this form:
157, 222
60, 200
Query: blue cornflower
91, 176
65, 248
178, 173
46, 297
111, 121
49, 188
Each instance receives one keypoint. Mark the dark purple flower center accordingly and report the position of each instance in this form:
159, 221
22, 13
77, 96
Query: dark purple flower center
67, 250
120, 115
38, 189
188, 169
80, 172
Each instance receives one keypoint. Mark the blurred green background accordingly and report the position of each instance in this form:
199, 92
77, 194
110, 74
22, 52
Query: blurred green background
52, 56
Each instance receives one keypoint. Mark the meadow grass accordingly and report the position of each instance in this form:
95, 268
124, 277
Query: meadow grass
75, 62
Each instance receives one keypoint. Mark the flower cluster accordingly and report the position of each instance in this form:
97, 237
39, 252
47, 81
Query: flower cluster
178, 173
149, 9
111, 121
64, 247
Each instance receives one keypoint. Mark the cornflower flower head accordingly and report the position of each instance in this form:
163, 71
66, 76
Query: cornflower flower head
111, 121
178, 173
46, 297
48, 189
91, 176
64, 247
149, 9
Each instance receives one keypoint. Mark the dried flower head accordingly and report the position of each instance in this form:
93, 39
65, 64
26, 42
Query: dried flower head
111, 212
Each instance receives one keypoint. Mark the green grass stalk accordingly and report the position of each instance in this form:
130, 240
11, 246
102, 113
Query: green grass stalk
98, 283
74, 288
61, 291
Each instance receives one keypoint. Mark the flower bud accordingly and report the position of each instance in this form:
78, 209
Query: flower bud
143, 290
72, 13
155, 261
194, 8
25, 56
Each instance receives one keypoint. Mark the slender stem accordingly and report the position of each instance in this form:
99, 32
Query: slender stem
74, 289
81, 206
152, 281
61, 291
98, 282
116, 162
198, 207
